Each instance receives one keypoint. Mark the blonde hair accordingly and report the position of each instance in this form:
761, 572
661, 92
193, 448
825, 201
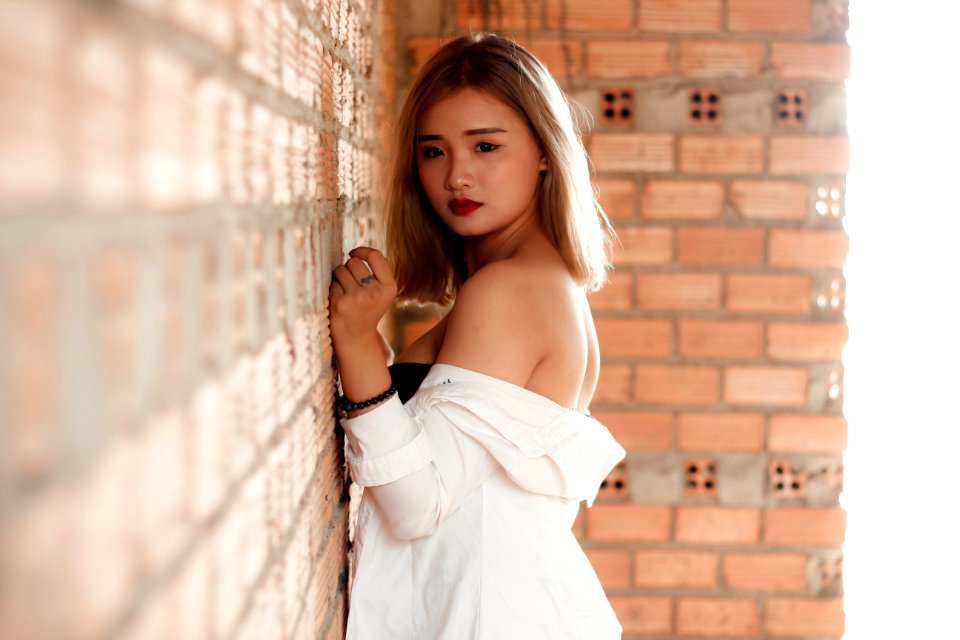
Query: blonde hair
427, 256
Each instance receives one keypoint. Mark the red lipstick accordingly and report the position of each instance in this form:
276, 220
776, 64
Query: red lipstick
464, 206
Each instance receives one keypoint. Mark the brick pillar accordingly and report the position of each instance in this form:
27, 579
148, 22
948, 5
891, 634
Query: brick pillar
720, 150
177, 180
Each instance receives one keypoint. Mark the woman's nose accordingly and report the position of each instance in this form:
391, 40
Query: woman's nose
460, 174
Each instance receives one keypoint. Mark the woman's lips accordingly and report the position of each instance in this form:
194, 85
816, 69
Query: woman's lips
464, 207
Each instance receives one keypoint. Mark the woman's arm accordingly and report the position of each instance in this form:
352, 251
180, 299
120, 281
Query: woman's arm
362, 290
419, 473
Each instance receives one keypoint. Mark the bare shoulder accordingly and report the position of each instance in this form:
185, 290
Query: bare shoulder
496, 324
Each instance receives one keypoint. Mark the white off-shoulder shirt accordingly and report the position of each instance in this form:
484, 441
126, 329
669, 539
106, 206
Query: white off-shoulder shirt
464, 528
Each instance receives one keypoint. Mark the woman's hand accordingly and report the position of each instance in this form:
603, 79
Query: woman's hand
361, 292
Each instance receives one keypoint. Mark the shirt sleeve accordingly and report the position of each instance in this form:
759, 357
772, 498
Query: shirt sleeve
418, 471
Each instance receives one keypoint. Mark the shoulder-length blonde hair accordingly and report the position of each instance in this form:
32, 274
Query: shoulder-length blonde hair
427, 256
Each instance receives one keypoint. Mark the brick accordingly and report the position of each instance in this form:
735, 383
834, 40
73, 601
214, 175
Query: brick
806, 341
639, 430
807, 617
682, 199
770, 199
810, 60
618, 197
632, 152
629, 59
624, 337
720, 59
613, 384
720, 432
811, 155
420, 51
720, 338
599, 15
667, 569
717, 525
628, 523
563, 57
772, 386
717, 617
804, 526
720, 246
676, 384
644, 614
721, 154
681, 16
643, 246
807, 434
807, 248
764, 293
617, 293
505, 15
679, 291
765, 572
612, 567
763, 16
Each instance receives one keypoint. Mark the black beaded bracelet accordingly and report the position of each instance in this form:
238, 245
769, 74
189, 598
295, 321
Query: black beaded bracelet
347, 405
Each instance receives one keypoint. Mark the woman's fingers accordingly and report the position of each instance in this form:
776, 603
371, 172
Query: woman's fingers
377, 262
343, 277
360, 271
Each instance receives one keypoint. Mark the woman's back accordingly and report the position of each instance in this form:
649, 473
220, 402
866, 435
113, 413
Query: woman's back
523, 320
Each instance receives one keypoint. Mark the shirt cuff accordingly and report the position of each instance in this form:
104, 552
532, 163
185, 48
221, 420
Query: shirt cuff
385, 444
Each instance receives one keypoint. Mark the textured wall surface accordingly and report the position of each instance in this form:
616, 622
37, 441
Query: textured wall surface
721, 153
177, 180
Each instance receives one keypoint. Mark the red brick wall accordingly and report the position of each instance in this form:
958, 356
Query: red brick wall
722, 326
176, 181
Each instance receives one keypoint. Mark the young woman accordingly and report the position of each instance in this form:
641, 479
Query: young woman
472, 486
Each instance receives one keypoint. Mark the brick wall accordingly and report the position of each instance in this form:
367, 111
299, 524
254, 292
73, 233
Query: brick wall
721, 152
176, 181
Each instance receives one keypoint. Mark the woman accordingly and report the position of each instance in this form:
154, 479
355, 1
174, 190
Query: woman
472, 486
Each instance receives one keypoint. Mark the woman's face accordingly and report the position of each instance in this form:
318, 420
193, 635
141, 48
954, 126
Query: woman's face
478, 164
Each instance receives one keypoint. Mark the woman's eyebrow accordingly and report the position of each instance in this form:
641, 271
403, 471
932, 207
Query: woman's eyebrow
469, 132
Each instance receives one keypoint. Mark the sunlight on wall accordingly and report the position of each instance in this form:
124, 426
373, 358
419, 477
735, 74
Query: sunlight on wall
902, 378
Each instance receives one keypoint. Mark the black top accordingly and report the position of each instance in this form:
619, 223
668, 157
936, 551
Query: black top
407, 376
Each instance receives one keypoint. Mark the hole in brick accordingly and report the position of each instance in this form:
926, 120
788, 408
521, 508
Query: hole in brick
704, 96
617, 106
786, 481
701, 479
830, 201
615, 484
796, 113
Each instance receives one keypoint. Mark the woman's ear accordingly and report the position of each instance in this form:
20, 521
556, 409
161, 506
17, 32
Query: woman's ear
543, 163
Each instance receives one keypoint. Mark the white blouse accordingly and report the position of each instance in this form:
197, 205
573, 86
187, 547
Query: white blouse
464, 529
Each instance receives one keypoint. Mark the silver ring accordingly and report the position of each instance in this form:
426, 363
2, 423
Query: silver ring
365, 280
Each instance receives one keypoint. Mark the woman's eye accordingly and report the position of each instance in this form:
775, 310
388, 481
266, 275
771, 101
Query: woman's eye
431, 152
487, 147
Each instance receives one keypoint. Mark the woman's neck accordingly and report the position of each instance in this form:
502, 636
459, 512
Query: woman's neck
480, 251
